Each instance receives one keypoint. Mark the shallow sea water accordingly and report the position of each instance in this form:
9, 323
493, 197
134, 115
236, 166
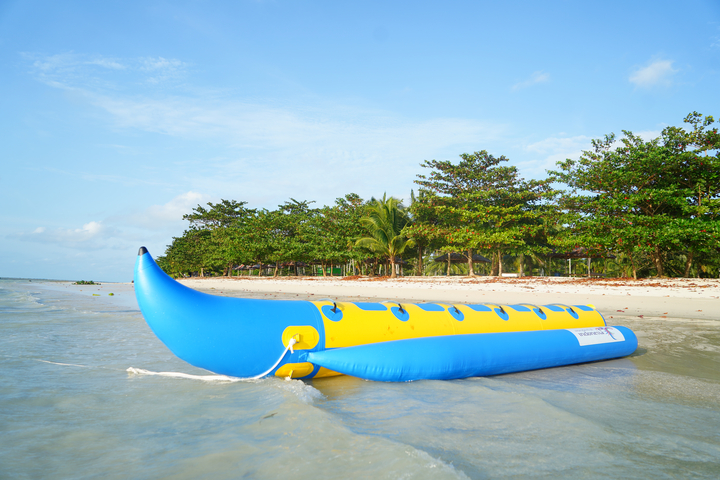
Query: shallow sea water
70, 409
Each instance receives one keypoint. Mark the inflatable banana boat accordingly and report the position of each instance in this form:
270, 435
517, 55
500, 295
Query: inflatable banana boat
375, 341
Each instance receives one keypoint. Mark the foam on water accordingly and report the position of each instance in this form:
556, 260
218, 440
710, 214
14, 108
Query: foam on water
69, 408
303, 391
63, 364
203, 378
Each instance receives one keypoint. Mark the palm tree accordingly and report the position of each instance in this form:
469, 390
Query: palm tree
384, 221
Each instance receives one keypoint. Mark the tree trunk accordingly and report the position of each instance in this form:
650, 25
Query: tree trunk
448, 266
420, 261
277, 267
471, 270
500, 265
202, 272
521, 270
657, 258
392, 268
588, 267
688, 264
634, 267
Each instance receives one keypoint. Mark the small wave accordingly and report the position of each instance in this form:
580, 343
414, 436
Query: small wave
304, 392
432, 463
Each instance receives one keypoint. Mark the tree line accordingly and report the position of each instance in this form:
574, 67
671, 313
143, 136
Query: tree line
637, 207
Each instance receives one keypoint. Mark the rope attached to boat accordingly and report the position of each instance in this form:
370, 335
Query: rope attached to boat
290, 344
139, 371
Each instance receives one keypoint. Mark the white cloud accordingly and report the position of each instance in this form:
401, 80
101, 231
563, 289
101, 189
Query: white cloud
265, 153
91, 235
253, 126
153, 226
107, 63
535, 78
245, 125
161, 63
90, 229
63, 62
555, 144
658, 72
648, 135
171, 213
162, 68
80, 71
552, 150
271, 154
556, 149
54, 62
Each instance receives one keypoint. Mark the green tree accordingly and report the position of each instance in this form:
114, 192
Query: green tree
384, 220
422, 229
334, 231
696, 168
224, 214
629, 203
188, 253
211, 241
285, 228
479, 204
646, 198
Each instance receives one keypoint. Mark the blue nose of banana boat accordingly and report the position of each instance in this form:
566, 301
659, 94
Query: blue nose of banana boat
230, 336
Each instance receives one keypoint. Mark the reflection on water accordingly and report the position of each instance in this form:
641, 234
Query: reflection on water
70, 409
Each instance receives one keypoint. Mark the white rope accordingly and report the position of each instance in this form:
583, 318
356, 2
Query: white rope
140, 371
290, 344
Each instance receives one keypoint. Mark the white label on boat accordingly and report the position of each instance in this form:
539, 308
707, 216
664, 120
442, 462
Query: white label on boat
597, 335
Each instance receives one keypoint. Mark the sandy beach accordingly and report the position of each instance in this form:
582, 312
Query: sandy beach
697, 299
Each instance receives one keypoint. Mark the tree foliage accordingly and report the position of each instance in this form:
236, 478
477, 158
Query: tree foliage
480, 204
385, 220
647, 206
646, 198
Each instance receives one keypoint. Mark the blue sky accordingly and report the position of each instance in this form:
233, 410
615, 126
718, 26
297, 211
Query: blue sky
117, 117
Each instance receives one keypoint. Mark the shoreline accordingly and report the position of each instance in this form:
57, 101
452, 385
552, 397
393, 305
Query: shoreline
690, 298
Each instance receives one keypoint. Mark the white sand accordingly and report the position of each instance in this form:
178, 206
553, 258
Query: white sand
650, 298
